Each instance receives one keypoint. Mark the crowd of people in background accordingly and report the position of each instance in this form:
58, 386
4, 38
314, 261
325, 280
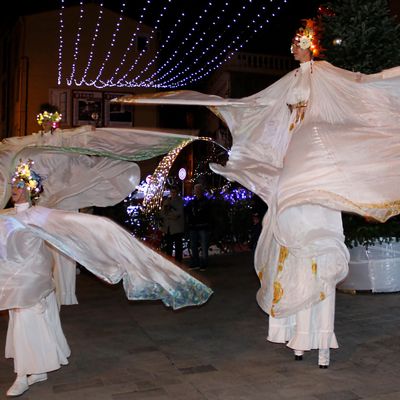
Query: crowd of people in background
194, 224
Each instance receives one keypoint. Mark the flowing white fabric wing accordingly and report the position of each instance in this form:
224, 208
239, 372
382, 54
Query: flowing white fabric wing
105, 249
256, 124
84, 167
345, 154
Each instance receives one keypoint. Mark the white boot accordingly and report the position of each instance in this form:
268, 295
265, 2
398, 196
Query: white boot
323, 358
35, 378
19, 386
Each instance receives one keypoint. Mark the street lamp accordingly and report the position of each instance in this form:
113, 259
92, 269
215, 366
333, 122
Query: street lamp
182, 176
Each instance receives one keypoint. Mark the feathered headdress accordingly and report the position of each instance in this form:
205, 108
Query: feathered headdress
307, 37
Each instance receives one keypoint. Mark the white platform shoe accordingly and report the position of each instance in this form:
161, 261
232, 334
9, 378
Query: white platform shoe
323, 358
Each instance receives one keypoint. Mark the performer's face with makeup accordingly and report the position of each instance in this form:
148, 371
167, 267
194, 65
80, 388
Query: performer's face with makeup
19, 194
299, 54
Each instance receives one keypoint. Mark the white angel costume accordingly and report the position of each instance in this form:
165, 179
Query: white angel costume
82, 167
319, 141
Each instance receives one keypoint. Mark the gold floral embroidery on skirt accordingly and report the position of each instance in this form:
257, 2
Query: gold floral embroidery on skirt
283, 253
260, 275
278, 292
272, 312
300, 110
314, 267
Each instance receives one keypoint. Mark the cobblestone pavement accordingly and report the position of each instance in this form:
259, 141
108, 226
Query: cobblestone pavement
141, 350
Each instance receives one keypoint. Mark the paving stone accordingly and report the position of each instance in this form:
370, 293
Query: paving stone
338, 395
143, 350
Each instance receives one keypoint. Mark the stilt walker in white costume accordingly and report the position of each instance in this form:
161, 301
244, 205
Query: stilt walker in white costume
35, 339
308, 238
319, 141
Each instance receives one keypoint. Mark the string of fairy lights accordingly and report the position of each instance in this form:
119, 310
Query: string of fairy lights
76, 46
154, 194
143, 205
237, 42
61, 43
132, 42
135, 82
171, 44
92, 46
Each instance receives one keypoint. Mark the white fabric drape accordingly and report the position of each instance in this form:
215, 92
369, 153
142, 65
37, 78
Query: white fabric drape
97, 243
82, 167
64, 275
344, 156
350, 126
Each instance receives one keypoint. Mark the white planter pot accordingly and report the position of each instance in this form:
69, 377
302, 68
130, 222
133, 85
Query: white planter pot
376, 268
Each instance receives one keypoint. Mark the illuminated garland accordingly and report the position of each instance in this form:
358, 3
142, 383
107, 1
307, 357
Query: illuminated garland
92, 46
112, 44
185, 40
196, 60
76, 47
154, 194
222, 57
123, 81
131, 43
135, 81
208, 43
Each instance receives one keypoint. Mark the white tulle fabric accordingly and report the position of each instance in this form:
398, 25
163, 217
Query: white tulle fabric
97, 243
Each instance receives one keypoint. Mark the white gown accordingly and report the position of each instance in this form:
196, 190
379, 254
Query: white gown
35, 339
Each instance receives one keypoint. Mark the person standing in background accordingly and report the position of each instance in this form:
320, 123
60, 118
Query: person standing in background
173, 223
198, 220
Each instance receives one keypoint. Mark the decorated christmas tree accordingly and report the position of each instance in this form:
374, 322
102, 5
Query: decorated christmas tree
360, 35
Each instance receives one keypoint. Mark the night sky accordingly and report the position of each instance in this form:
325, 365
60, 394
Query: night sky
274, 38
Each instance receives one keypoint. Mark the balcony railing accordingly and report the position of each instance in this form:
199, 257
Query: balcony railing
263, 63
